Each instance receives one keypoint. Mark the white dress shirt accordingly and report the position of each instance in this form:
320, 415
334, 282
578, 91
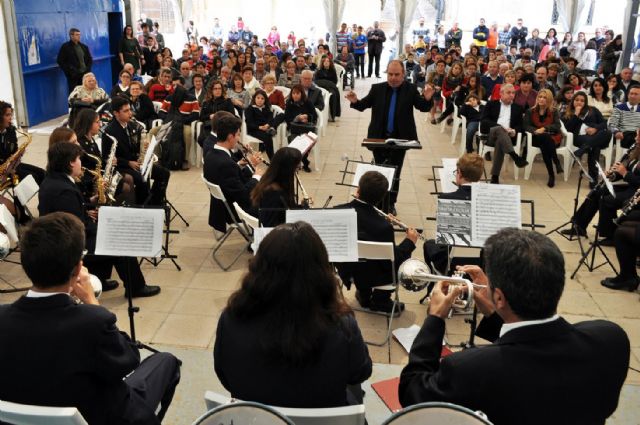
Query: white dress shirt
504, 119
511, 326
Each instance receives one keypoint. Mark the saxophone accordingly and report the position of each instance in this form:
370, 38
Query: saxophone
111, 176
8, 176
98, 181
142, 141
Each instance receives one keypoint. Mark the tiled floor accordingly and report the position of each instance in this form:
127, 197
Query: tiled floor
184, 315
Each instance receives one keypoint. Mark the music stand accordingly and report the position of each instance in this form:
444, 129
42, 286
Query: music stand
595, 244
348, 172
167, 231
582, 174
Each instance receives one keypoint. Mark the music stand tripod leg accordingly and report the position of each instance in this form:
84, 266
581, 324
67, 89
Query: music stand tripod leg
132, 310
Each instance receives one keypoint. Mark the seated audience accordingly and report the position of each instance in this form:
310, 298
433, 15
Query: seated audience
250, 82
238, 95
275, 96
141, 106
216, 100
526, 96
599, 98
261, 121
625, 118
122, 87
563, 99
472, 111
531, 343
198, 90
183, 107
301, 117
289, 77
162, 89
88, 95
45, 330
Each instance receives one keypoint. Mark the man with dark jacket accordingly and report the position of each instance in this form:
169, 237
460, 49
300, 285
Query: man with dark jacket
392, 106
502, 121
56, 352
519, 34
372, 188
375, 40
75, 59
535, 355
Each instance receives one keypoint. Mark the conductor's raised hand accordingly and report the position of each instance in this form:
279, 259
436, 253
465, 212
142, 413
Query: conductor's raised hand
351, 96
428, 91
442, 298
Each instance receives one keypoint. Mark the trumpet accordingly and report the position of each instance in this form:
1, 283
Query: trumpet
307, 202
414, 275
390, 218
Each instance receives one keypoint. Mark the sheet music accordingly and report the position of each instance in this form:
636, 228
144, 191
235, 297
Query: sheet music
304, 142
26, 189
402, 142
453, 222
338, 230
605, 179
406, 336
447, 176
148, 157
130, 232
388, 172
259, 234
9, 224
494, 207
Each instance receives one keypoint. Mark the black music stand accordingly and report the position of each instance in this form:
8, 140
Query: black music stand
594, 245
167, 231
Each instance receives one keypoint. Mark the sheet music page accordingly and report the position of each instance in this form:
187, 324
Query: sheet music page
388, 172
453, 222
26, 189
337, 228
9, 224
259, 234
605, 179
406, 336
304, 142
494, 207
446, 174
148, 157
130, 232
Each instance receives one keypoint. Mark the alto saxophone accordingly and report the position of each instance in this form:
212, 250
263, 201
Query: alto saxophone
111, 176
98, 180
8, 176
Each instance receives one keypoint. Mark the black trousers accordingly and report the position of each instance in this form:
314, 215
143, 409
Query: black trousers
360, 64
374, 57
152, 384
23, 170
628, 139
155, 195
395, 157
127, 267
593, 144
72, 82
548, 148
601, 201
266, 139
627, 243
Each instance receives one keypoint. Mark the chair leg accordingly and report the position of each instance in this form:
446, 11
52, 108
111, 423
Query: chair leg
396, 302
221, 242
568, 162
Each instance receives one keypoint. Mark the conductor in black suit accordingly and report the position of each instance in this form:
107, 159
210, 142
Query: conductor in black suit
502, 121
55, 352
392, 106
234, 178
540, 369
372, 188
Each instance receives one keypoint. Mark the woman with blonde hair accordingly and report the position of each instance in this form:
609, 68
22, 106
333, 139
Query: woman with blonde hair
543, 122
276, 97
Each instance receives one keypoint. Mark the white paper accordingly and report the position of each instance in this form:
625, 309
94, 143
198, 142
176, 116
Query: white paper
453, 222
606, 180
337, 228
9, 223
26, 189
304, 142
494, 207
259, 234
130, 232
388, 172
402, 142
147, 162
406, 336
446, 175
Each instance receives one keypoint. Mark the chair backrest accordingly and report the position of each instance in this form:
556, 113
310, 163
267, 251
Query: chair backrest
249, 220
346, 415
244, 412
26, 414
285, 90
375, 250
277, 110
339, 71
157, 106
214, 190
437, 413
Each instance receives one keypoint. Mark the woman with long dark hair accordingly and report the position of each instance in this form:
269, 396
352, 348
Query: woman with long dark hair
287, 337
261, 123
599, 98
275, 192
589, 130
301, 117
543, 123
215, 100
129, 49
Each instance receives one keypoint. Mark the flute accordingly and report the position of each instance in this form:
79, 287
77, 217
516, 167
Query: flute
390, 218
306, 199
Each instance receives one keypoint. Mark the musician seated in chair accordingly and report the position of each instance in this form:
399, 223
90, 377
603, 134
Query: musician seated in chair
372, 188
600, 200
55, 352
627, 244
235, 178
470, 168
561, 363
128, 150
59, 192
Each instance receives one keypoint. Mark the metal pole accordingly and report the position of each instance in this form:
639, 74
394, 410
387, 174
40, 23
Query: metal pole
628, 44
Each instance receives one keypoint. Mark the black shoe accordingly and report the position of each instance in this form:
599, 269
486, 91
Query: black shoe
439, 119
617, 283
606, 242
449, 121
487, 156
552, 180
377, 76
109, 285
579, 152
392, 210
520, 161
572, 232
306, 168
434, 121
145, 291
495, 180
363, 300
272, 131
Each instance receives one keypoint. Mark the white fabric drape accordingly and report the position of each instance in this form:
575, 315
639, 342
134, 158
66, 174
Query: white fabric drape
579, 16
333, 11
565, 12
404, 15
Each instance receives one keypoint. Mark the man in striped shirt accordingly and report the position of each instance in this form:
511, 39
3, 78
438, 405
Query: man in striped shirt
625, 118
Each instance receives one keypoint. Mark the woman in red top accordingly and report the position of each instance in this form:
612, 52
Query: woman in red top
450, 89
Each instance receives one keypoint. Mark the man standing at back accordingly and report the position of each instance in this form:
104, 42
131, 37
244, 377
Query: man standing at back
540, 369
75, 59
392, 104
375, 40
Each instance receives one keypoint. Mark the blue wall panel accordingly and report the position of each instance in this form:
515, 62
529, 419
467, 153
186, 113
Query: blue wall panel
43, 26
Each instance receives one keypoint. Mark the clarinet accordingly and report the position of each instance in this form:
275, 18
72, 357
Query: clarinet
612, 175
630, 206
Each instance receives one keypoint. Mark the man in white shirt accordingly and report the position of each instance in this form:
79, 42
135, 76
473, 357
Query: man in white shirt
535, 354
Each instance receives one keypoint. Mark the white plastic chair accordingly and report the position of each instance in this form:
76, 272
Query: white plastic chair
381, 251
483, 148
443, 125
620, 151
326, 96
279, 139
285, 90
26, 414
216, 192
437, 413
608, 154
243, 413
340, 71
456, 124
346, 415
250, 221
463, 135
563, 150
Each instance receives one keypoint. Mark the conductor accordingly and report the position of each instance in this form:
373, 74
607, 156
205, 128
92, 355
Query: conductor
392, 106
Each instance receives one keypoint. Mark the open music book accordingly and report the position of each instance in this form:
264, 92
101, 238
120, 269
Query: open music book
402, 142
304, 142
